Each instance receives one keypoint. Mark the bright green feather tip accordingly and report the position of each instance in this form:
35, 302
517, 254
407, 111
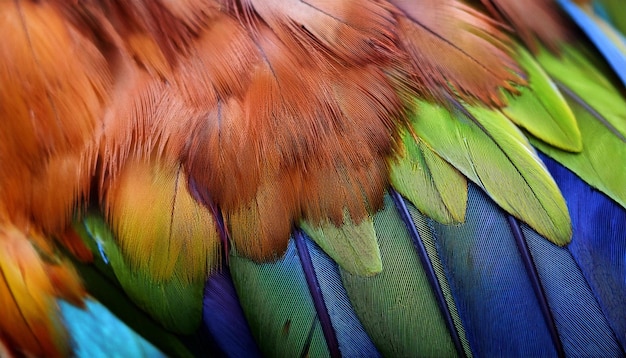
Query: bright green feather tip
353, 246
492, 152
541, 109
430, 183
579, 73
600, 111
175, 303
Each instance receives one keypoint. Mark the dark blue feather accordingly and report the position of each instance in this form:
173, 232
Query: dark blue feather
598, 245
488, 280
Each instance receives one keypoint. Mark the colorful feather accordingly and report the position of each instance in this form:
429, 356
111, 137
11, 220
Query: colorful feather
325, 178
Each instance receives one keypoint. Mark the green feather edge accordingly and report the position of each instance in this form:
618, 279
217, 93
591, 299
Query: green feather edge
176, 303
577, 73
278, 306
541, 109
492, 152
614, 10
431, 184
397, 307
602, 163
352, 246
601, 114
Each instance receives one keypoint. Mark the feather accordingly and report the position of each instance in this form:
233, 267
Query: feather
609, 10
29, 286
454, 49
234, 157
176, 303
277, 303
263, 131
398, 307
601, 116
482, 266
51, 104
159, 225
491, 152
434, 186
100, 281
288, 322
609, 42
577, 71
535, 22
541, 109
352, 31
96, 332
352, 246
224, 320
598, 249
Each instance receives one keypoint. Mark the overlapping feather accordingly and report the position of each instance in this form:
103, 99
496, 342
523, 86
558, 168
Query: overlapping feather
233, 122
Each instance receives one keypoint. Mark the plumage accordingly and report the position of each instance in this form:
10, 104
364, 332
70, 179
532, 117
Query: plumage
320, 178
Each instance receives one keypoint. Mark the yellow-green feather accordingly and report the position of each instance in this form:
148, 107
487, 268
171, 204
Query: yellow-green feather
176, 303
582, 75
541, 109
493, 153
602, 163
352, 246
601, 116
434, 186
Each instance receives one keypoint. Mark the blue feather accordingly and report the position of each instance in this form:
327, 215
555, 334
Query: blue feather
598, 245
223, 319
96, 333
487, 277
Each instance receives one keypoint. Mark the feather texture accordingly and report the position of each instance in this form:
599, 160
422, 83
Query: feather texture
324, 178
456, 50
492, 153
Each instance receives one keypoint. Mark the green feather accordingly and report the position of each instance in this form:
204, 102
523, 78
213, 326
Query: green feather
176, 303
602, 163
397, 307
576, 72
278, 306
601, 115
541, 109
429, 182
352, 246
492, 152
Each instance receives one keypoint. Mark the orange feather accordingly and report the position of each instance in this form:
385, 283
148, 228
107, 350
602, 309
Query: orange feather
277, 111
28, 290
534, 21
456, 50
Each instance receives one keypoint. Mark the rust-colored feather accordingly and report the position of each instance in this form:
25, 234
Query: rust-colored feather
28, 290
275, 141
357, 32
533, 20
456, 50
51, 103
